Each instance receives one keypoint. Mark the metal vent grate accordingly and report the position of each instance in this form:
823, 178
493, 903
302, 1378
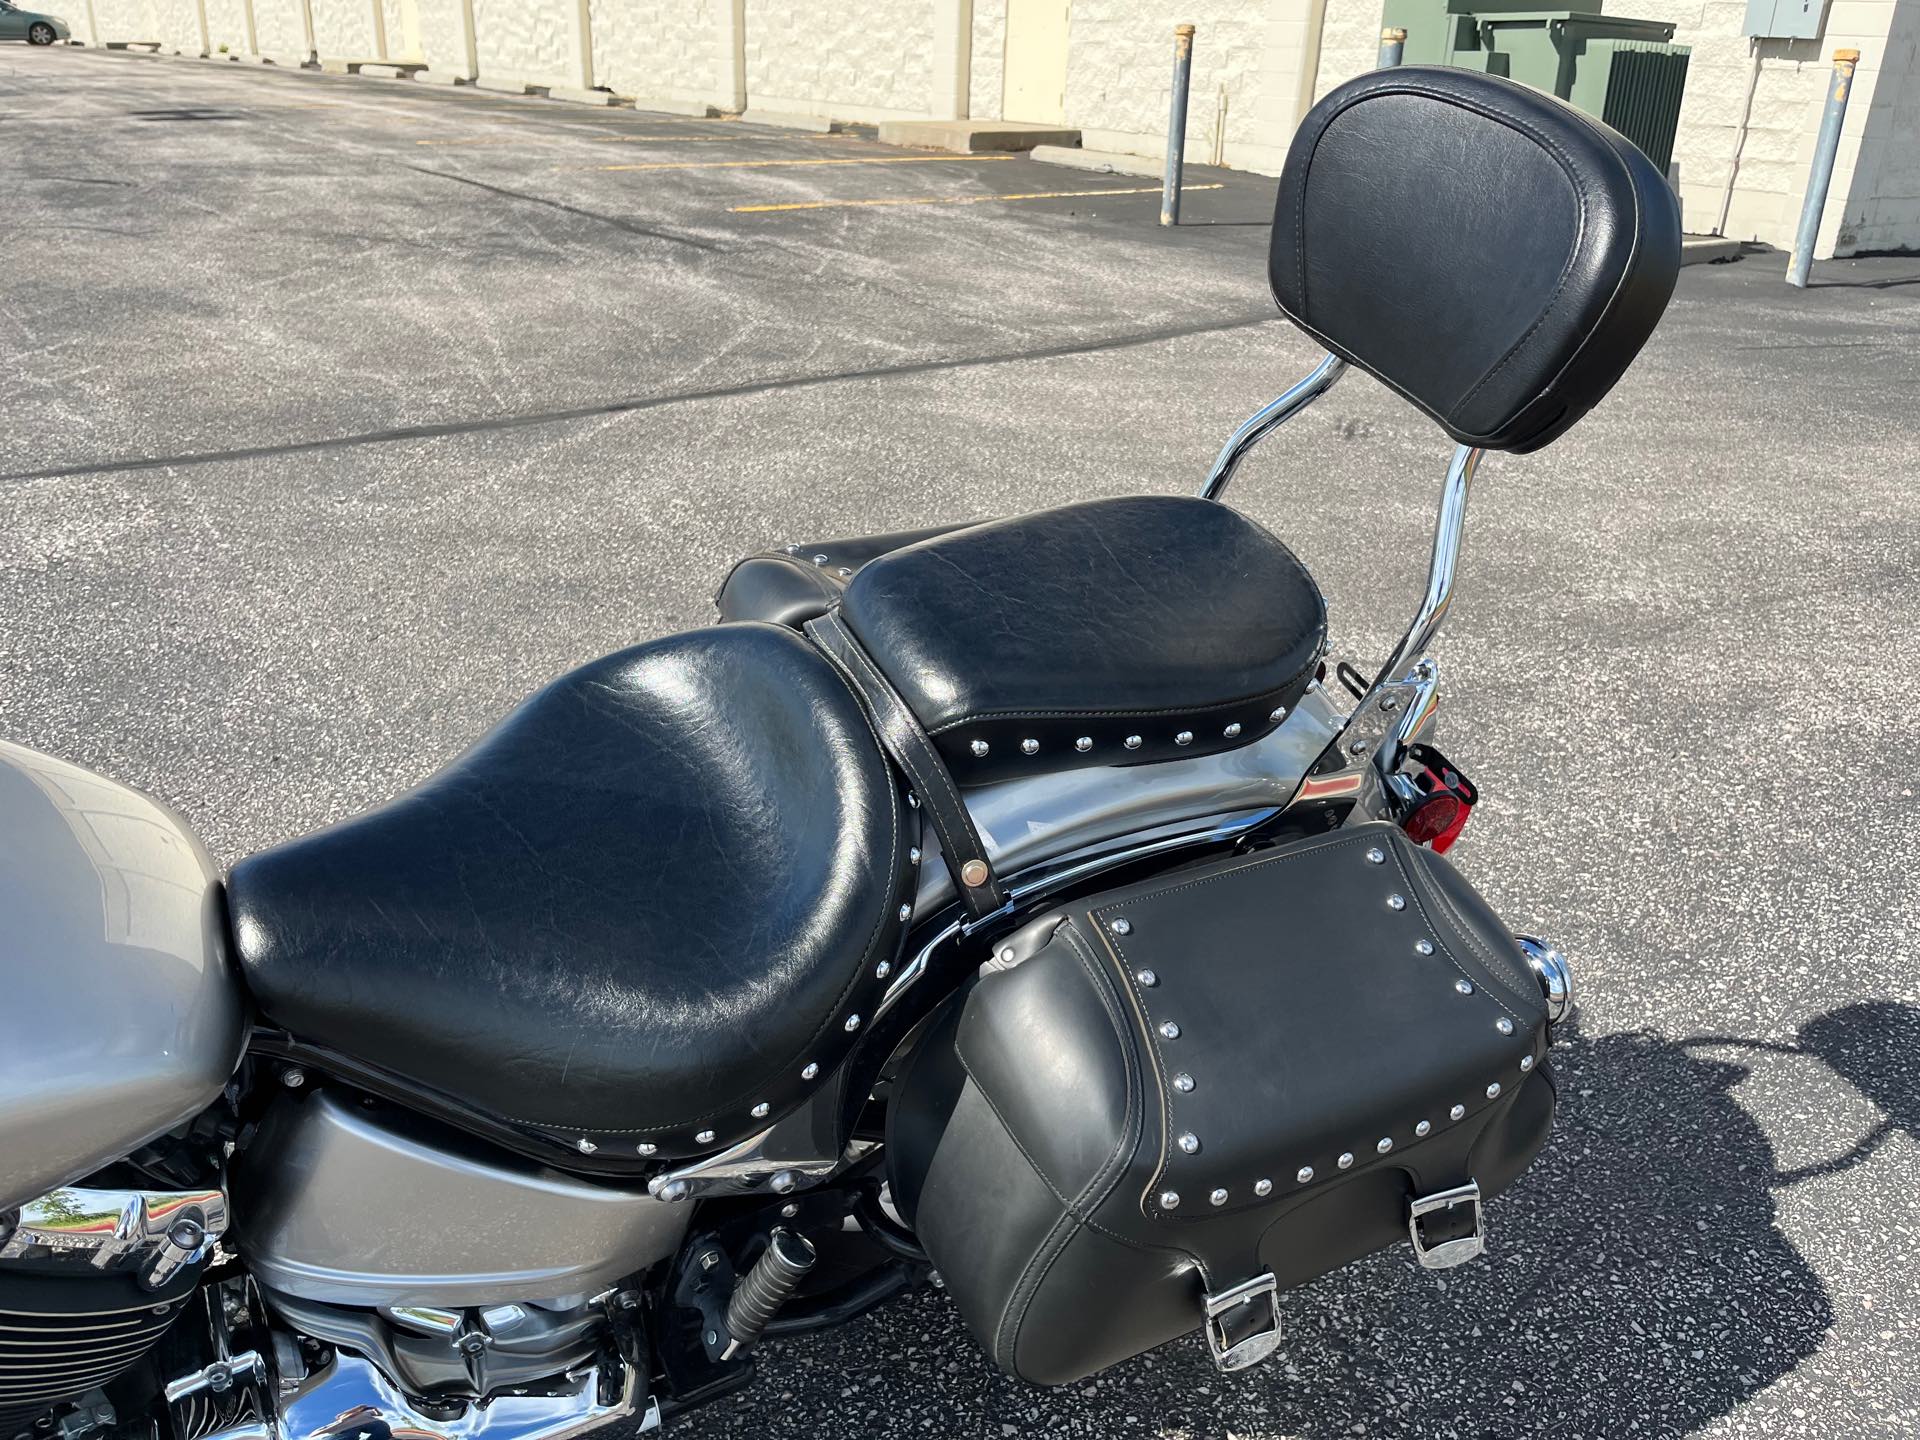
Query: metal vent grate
1645, 83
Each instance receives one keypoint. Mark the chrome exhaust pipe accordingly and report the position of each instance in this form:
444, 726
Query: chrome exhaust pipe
1549, 965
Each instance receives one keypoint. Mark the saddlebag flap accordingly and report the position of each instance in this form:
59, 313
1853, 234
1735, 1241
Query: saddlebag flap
1160, 1106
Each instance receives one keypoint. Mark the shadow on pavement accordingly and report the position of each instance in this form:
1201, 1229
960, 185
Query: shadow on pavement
1635, 1284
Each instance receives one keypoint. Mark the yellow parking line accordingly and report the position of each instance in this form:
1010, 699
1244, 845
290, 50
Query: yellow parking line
962, 199
769, 164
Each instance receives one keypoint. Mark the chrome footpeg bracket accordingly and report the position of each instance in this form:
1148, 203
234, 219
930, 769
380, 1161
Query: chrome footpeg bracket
1461, 1248
1243, 1324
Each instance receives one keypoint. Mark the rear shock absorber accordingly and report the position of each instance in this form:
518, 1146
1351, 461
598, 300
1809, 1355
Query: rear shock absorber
780, 1268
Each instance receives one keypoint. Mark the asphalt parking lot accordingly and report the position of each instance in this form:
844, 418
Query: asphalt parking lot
342, 413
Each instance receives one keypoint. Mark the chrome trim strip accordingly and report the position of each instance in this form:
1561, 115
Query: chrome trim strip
1266, 420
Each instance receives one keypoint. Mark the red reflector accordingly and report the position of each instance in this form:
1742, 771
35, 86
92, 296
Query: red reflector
1436, 821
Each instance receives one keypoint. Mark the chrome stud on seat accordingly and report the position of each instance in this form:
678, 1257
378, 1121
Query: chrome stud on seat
1279, 713
1132, 742
1190, 1143
585, 1146
1232, 731
1493, 1091
1304, 1175
760, 1111
1376, 856
1029, 747
1457, 1113
1345, 1161
1423, 1129
1464, 986
1423, 947
646, 1147
853, 1023
1169, 1199
1396, 902
1526, 1063
883, 969
1170, 1030
1503, 1025
1183, 1082
1147, 978
1218, 1197
913, 854
1185, 737
705, 1137
980, 749
1083, 744
812, 1069
906, 912
1121, 926
1385, 1144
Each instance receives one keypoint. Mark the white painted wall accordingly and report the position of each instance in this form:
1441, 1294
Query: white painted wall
661, 49
839, 58
227, 25
537, 42
345, 29
281, 29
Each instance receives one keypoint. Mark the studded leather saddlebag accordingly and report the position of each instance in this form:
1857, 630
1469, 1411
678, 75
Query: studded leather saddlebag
1161, 1106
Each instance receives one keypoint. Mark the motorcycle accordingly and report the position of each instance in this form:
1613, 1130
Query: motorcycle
1021, 907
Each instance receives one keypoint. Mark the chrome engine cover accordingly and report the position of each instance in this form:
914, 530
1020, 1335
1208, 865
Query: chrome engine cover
341, 1203
122, 1015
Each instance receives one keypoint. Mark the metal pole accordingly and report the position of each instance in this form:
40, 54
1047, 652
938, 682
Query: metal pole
1824, 151
1177, 124
1393, 45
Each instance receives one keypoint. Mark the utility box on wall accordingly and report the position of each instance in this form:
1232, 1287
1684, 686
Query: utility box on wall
1785, 19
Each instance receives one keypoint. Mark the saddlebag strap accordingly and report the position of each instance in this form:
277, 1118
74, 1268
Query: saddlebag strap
913, 752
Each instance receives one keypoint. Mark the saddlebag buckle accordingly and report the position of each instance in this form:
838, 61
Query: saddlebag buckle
1456, 1249
1243, 1324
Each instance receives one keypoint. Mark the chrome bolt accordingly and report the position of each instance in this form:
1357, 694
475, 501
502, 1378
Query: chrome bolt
1424, 947
646, 1147
1356, 747
1264, 1187
1503, 1025
1029, 747
784, 1182
1526, 1063
1385, 1144
789, 1210
1493, 1091
1279, 713
759, 1112
1423, 1129
1132, 742
1232, 731
810, 1070
1396, 902
883, 969
1083, 744
705, 1137
1376, 856
1147, 978
293, 1077
853, 1024
906, 912
980, 749
674, 1191
913, 855
585, 1146
1185, 737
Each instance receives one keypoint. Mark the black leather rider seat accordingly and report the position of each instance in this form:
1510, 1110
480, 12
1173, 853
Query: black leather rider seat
645, 911
1117, 631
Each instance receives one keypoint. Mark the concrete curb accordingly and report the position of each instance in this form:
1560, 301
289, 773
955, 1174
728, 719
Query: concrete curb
503, 87
975, 137
1100, 162
1704, 249
442, 77
655, 106
778, 120
582, 97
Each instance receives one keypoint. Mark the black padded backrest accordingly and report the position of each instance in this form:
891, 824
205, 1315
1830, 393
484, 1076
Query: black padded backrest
1488, 251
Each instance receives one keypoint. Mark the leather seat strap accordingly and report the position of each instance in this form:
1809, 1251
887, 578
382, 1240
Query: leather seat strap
913, 752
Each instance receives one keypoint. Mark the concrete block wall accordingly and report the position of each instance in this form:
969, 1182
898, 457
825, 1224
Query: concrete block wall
280, 30
839, 58
662, 49
227, 26
346, 29
534, 42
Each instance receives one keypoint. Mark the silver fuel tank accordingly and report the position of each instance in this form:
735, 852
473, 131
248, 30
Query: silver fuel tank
120, 1014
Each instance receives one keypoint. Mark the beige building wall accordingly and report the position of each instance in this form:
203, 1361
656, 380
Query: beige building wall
177, 26
663, 49
227, 26
346, 29
841, 59
534, 42
280, 29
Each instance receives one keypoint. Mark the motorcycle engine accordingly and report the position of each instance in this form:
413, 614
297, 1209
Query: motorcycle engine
90, 1281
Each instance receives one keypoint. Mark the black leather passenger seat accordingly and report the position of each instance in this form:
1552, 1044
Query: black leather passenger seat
1117, 631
